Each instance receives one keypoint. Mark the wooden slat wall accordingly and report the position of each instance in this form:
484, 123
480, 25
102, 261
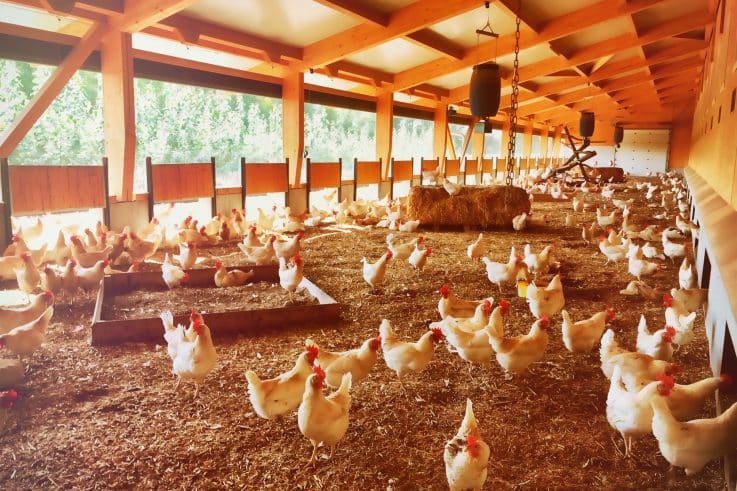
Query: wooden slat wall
177, 182
262, 178
323, 175
47, 188
368, 172
429, 164
402, 170
452, 167
487, 166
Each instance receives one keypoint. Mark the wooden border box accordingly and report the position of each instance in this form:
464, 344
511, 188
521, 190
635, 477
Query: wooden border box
150, 329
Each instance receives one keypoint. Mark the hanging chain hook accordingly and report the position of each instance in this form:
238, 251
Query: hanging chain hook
511, 144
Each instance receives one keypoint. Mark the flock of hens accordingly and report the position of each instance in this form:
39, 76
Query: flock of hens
643, 398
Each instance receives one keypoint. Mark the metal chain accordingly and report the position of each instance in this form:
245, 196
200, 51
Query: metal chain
513, 107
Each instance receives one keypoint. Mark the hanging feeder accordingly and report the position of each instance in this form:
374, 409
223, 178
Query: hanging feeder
618, 135
586, 124
485, 90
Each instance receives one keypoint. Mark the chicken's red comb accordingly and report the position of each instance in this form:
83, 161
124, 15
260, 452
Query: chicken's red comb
544, 321
667, 380
667, 299
437, 333
312, 349
218, 264
47, 293
487, 305
726, 379
8, 398
471, 447
670, 331
445, 290
389, 254
194, 315
504, 306
233, 210
317, 370
72, 262
429, 250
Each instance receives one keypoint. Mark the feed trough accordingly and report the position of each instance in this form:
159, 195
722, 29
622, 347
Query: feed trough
240, 318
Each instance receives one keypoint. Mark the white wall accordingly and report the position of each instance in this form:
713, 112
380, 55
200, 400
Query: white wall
644, 151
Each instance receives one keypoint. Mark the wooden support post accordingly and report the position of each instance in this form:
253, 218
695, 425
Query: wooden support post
544, 143
505, 137
384, 130
106, 189
14, 134
214, 199
150, 187
468, 136
243, 182
293, 115
479, 140
449, 145
119, 112
307, 183
440, 131
8, 209
556, 141
527, 142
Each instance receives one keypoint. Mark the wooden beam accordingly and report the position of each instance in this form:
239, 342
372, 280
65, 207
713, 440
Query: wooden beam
406, 20
220, 35
440, 131
140, 14
293, 116
597, 50
563, 26
14, 134
384, 130
600, 63
358, 11
436, 42
119, 113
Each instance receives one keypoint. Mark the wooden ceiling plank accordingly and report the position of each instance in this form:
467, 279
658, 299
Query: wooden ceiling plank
140, 14
358, 11
14, 134
434, 41
406, 20
558, 28
224, 35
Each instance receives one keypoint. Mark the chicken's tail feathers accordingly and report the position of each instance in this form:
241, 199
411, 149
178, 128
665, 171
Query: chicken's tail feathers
252, 378
167, 318
607, 340
469, 426
346, 383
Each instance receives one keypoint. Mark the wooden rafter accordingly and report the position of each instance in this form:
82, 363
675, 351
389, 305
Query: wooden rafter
357, 10
558, 28
14, 134
434, 41
409, 19
140, 14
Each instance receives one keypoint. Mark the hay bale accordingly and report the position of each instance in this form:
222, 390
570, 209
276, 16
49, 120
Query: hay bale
473, 206
616, 174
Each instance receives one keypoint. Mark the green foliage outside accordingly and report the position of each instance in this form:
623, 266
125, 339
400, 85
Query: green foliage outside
179, 123
69, 132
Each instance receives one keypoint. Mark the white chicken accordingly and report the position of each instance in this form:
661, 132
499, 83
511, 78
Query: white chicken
659, 344
501, 273
27, 275
418, 258
374, 273
173, 275
466, 455
89, 278
289, 248
638, 369
582, 336
188, 253
638, 267
402, 251
673, 250
687, 276
274, 397
515, 354
13, 317
225, 278
403, 357
546, 301
260, 255
519, 222
195, 359
358, 361
450, 304
324, 419
474, 249
290, 276
23, 340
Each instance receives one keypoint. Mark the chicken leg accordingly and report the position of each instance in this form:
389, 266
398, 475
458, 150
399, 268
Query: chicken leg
314, 452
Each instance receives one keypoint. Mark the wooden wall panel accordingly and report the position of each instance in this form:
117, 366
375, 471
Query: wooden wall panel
178, 182
402, 170
323, 175
680, 144
47, 188
262, 178
452, 167
368, 172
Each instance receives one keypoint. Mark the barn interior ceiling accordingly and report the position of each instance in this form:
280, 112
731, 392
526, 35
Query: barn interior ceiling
633, 62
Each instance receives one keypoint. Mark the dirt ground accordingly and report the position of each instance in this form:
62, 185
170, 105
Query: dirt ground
108, 418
